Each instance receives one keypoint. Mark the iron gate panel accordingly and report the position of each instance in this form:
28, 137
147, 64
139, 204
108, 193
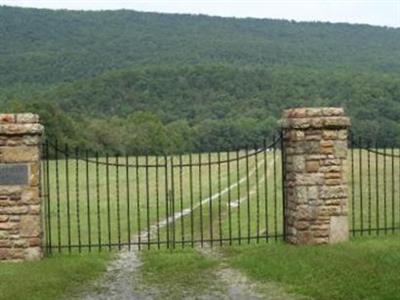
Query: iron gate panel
98, 202
374, 176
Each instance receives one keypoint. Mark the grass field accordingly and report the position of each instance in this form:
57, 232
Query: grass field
53, 278
365, 268
218, 202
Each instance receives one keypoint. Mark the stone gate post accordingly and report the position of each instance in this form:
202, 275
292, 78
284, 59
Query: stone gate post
315, 146
20, 208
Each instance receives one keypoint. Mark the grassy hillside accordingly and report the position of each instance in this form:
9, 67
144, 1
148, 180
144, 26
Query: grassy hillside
192, 82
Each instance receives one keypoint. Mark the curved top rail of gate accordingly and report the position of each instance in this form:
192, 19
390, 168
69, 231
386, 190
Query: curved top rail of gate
373, 147
84, 155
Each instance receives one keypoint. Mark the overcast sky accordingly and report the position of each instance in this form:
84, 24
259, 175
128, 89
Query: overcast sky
374, 12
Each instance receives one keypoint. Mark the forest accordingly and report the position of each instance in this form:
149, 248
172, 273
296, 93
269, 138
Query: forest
164, 83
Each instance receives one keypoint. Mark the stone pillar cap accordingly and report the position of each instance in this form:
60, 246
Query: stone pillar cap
19, 124
19, 118
314, 118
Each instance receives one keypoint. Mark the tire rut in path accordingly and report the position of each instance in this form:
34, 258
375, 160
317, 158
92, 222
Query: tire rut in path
120, 281
237, 286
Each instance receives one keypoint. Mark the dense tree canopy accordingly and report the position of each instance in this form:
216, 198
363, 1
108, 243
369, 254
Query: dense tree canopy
157, 83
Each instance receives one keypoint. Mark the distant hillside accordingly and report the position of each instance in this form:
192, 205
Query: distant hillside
157, 83
43, 46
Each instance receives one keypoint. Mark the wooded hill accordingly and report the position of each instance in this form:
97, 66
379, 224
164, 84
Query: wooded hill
147, 82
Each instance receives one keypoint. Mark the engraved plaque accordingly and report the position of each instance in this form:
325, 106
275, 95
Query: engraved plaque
13, 174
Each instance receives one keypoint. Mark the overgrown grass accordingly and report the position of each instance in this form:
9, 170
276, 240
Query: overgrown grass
54, 277
360, 269
177, 274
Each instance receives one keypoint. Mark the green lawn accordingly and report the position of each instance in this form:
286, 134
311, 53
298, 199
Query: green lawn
54, 277
365, 268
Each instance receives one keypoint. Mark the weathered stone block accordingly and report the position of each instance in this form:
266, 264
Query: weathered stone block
27, 118
33, 253
312, 166
333, 192
340, 148
298, 163
7, 118
309, 179
19, 154
313, 192
30, 226
301, 195
339, 231
330, 134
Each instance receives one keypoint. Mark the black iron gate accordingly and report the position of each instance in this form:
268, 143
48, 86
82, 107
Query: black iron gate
99, 202
374, 177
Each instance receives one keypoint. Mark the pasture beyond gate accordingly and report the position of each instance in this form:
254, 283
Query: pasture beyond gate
95, 201
98, 201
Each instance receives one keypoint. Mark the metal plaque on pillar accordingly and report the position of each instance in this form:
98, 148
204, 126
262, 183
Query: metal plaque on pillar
13, 174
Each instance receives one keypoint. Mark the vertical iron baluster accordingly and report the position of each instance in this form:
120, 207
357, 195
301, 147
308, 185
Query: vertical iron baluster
219, 199
58, 199
108, 201
68, 197
118, 200
181, 200
191, 199
43, 196
360, 175
48, 196
248, 194
377, 188
210, 198
147, 201
157, 202
139, 238
238, 195
369, 189
393, 215
384, 189
166, 197
201, 202
353, 219
88, 202
77, 194
283, 179
266, 189
98, 202
257, 195
275, 193
229, 197
173, 202
128, 202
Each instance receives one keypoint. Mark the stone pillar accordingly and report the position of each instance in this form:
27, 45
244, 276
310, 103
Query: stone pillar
315, 145
20, 207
